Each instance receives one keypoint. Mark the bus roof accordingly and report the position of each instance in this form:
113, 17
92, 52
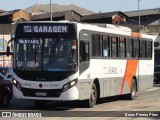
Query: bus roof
113, 29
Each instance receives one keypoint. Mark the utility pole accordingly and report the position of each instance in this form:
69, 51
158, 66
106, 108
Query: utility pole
51, 9
139, 21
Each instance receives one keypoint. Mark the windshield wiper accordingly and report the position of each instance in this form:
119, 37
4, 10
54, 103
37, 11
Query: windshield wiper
35, 54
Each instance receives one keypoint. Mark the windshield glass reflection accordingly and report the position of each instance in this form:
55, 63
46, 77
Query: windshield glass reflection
46, 54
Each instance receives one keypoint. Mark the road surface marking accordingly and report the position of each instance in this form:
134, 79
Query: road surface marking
151, 89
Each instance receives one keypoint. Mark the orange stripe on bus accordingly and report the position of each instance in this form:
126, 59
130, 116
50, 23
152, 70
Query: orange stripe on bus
131, 68
133, 34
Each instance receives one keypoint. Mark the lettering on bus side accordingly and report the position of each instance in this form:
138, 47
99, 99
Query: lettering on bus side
110, 70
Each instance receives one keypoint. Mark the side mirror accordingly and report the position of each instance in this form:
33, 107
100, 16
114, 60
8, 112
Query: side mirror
8, 51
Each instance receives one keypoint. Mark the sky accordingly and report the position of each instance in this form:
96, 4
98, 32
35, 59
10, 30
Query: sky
93, 5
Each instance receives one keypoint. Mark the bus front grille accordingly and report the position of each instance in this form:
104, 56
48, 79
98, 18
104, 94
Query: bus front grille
41, 93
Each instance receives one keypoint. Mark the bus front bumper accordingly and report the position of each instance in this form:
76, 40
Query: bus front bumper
70, 94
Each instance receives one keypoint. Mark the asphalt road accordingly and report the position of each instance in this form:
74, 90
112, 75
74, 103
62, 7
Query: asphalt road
108, 108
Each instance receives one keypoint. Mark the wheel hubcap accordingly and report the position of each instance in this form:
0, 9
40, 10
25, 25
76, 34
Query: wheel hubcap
133, 91
93, 96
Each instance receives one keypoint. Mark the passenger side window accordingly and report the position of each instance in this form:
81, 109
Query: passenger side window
135, 48
106, 46
129, 48
84, 51
142, 49
114, 46
149, 49
96, 45
122, 47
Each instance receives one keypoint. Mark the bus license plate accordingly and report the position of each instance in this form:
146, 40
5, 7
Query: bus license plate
41, 94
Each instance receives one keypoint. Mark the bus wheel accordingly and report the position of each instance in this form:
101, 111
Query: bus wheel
132, 94
93, 97
39, 103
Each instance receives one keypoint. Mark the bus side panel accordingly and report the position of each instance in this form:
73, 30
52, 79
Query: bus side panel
115, 79
85, 89
119, 86
106, 87
116, 86
110, 75
113, 86
145, 74
126, 90
145, 81
85, 84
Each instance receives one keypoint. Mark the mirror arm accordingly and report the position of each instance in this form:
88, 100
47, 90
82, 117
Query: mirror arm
8, 47
9, 41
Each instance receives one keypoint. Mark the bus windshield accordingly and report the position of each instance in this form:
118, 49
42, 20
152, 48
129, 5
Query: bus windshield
46, 54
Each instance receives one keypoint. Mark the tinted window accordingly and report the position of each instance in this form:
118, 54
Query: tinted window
96, 49
129, 48
114, 46
135, 48
149, 49
122, 47
106, 46
84, 51
142, 49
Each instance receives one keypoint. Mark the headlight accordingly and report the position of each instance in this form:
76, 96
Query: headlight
17, 84
14, 81
69, 85
73, 83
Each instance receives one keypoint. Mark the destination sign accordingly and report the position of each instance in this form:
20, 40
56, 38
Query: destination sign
27, 41
45, 28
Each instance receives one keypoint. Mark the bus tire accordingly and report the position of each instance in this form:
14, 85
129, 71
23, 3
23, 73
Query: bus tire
91, 102
39, 103
132, 94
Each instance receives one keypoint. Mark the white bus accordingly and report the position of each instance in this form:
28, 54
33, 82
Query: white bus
65, 61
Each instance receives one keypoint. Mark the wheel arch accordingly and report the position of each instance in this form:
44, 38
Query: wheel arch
135, 78
96, 81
